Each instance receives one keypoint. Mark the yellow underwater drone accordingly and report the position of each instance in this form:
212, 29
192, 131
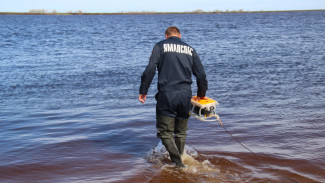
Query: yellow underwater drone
204, 109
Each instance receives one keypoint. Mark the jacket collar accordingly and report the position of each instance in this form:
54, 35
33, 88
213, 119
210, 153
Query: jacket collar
174, 37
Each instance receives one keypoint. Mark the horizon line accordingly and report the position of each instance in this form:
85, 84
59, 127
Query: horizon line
80, 12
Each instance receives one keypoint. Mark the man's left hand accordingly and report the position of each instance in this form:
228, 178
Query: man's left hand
142, 98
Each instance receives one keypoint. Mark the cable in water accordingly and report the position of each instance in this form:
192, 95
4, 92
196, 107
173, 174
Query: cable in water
219, 120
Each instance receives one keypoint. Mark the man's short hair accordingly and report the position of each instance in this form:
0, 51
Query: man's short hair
172, 31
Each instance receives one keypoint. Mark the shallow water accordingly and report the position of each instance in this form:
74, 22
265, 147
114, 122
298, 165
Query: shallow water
69, 110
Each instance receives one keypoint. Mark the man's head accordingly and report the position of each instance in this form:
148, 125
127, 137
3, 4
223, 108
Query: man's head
172, 31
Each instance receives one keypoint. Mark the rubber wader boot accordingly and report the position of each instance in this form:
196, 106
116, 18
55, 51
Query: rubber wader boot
165, 130
180, 144
180, 134
173, 152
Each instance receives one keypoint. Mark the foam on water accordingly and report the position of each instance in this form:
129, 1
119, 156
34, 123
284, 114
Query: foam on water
159, 156
198, 167
205, 167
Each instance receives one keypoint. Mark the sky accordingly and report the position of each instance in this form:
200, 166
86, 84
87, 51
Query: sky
113, 6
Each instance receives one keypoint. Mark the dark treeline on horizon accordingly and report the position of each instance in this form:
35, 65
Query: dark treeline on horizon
198, 11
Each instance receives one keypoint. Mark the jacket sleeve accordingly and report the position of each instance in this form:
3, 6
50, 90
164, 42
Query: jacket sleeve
199, 73
150, 71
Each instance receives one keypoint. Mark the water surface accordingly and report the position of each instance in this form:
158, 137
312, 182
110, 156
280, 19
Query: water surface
69, 110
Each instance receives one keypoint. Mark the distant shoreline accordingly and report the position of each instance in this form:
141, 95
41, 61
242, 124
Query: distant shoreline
149, 13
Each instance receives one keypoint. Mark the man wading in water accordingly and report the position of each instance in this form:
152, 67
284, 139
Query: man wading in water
175, 61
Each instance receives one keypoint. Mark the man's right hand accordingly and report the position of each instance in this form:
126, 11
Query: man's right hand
142, 98
200, 98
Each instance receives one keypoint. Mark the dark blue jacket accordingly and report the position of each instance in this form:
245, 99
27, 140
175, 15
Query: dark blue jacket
176, 62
